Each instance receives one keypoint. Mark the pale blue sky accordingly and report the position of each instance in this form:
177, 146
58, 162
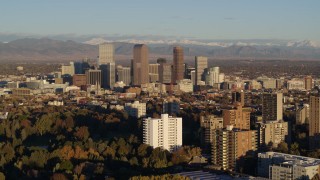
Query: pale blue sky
204, 19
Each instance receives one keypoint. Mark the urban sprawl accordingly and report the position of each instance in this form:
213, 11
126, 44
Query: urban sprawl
94, 119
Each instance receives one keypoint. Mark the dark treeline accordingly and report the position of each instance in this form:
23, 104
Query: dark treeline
70, 142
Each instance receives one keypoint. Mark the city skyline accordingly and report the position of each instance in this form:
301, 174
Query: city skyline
211, 89
205, 20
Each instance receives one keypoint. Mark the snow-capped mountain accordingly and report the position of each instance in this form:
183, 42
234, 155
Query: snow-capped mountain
304, 43
269, 43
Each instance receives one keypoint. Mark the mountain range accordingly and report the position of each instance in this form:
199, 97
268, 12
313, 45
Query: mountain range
45, 49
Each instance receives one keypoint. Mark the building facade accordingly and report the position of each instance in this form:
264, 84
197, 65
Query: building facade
268, 83
140, 64
67, 69
274, 165
201, 64
154, 72
209, 124
124, 75
178, 64
165, 73
108, 73
212, 76
272, 106
185, 85
79, 80
238, 117
296, 84
170, 107
106, 53
314, 122
136, 109
308, 82
231, 145
93, 77
164, 132
273, 132
302, 114
238, 96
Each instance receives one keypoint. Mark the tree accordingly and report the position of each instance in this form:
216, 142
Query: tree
38, 159
82, 133
6, 153
66, 165
43, 125
2, 176
294, 149
109, 153
158, 158
185, 154
66, 153
143, 150
134, 161
282, 147
58, 176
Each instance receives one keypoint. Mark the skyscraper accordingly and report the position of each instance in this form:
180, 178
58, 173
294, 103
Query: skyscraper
140, 64
308, 83
108, 75
124, 74
213, 76
81, 67
314, 123
93, 77
193, 77
201, 63
272, 106
106, 53
165, 73
178, 67
154, 72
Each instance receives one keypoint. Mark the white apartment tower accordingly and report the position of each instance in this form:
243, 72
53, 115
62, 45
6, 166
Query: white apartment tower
165, 132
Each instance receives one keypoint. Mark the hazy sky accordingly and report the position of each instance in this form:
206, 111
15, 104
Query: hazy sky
205, 19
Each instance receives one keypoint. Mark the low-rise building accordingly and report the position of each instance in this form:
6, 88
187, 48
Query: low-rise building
185, 85
135, 109
170, 107
297, 84
275, 165
273, 132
